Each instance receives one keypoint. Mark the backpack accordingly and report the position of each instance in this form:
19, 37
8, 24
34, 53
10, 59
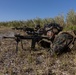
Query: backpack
63, 42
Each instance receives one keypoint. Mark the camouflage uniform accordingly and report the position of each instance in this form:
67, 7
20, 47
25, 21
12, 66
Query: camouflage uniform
53, 27
63, 42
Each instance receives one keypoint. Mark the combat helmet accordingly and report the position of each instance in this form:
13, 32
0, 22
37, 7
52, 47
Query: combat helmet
54, 27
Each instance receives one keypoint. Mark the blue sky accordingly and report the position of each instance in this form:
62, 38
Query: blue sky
29, 9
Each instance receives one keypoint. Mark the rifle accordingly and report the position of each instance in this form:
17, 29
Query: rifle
35, 37
29, 29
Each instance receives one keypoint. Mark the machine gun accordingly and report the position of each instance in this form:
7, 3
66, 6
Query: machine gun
33, 31
35, 37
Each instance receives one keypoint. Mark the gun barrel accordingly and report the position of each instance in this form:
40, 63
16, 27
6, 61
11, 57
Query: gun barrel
8, 37
31, 37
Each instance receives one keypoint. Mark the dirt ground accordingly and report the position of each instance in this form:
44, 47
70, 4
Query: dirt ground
33, 62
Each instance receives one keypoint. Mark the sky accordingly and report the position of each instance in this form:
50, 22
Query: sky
11, 10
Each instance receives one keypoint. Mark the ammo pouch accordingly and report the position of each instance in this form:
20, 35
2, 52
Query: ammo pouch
44, 43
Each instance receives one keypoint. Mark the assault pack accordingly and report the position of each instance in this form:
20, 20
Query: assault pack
63, 42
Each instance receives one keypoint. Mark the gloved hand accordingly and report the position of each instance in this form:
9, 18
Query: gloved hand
44, 43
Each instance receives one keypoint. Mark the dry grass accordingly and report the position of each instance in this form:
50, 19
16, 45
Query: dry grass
30, 62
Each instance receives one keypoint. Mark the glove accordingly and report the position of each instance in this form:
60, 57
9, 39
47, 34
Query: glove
44, 43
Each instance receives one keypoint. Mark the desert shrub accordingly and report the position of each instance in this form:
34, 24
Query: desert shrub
70, 27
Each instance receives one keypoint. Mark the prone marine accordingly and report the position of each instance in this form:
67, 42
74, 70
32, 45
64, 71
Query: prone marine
61, 41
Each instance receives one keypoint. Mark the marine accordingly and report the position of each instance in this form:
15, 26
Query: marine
60, 41
51, 30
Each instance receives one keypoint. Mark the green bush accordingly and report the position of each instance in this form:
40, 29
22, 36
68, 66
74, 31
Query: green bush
70, 27
68, 22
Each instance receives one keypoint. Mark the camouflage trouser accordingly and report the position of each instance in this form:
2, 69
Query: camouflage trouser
61, 43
